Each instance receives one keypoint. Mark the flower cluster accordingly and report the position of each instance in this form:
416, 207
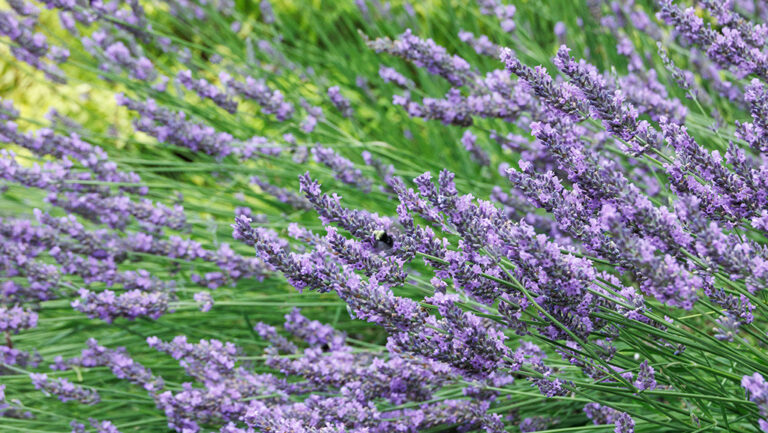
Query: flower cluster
479, 223
64, 389
757, 391
29, 46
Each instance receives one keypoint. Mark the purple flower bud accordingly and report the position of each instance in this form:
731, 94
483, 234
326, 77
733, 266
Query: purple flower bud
559, 29
757, 392
645, 377
343, 168
478, 154
390, 75
207, 90
340, 102
426, 54
204, 301
108, 306
271, 101
481, 44
16, 318
64, 389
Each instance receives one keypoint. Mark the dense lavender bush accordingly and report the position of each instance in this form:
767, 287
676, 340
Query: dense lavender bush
496, 216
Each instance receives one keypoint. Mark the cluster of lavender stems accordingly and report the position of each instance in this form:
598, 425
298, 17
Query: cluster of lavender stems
46, 257
350, 381
613, 229
19, 25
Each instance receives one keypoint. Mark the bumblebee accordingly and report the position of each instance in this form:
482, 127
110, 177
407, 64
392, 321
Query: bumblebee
384, 240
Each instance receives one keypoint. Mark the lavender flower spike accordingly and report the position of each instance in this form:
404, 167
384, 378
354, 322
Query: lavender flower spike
64, 389
757, 391
426, 54
207, 90
619, 117
344, 169
340, 102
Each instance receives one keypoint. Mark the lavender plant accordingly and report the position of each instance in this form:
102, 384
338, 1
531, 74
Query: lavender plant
384, 217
